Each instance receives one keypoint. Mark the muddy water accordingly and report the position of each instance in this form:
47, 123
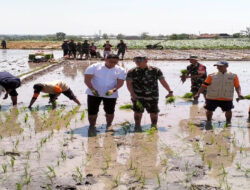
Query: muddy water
180, 155
16, 61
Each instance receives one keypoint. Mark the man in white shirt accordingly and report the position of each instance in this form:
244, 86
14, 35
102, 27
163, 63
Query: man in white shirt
103, 81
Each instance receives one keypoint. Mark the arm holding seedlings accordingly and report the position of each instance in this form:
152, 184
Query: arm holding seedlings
87, 81
166, 86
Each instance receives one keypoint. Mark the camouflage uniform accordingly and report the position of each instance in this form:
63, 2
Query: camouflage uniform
145, 85
197, 82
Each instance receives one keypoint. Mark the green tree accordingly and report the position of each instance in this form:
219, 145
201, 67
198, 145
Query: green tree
105, 36
60, 36
145, 35
120, 36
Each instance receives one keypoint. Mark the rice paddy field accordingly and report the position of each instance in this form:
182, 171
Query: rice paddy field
231, 43
47, 148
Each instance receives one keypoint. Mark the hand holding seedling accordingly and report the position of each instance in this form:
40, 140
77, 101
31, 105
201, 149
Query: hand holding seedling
95, 92
110, 92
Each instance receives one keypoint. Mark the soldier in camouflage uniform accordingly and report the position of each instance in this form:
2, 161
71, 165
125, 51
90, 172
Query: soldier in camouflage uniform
197, 73
142, 83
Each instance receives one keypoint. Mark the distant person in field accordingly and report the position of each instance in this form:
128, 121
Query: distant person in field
85, 49
142, 83
54, 89
122, 47
107, 49
72, 48
92, 50
10, 83
103, 81
4, 44
197, 73
65, 48
79, 50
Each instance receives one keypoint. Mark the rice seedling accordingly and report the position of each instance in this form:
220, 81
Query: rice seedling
224, 172
28, 155
203, 156
241, 149
117, 180
238, 166
131, 165
18, 186
210, 164
63, 155
72, 135
45, 96
143, 181
79, 175
247, 172
58, 163
104, 171
184, 71
158, 180
52, 170
188, 95
82, 115
49, 177
48, 187
108, 160
26, 117
212, 140
109, 93
170, 100
139, 105
12, 161
4, 167
247, 97
126, 107
27, 179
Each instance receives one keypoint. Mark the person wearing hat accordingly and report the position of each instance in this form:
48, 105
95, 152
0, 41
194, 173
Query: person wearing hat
220, 91
65, 48
54, 89
142, 83
10, 83
197, 73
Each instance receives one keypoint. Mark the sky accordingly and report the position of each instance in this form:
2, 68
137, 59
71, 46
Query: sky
130, 17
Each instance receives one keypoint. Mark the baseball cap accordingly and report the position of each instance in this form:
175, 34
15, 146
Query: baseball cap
193, 57
221, 63
139, 58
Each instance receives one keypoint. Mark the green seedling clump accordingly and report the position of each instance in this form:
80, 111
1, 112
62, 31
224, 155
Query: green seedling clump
45, 96
170, 100
109, 93
184, 71
188, 95
126, 107
139, 105
247, 97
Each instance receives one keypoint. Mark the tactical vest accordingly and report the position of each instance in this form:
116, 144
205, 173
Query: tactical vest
222, 86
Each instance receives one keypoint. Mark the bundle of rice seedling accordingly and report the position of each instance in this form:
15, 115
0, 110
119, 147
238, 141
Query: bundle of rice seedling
170, 100
184, 71
32, 56
126, 107
139, 105
188, 95
109, 93
247, 97
45, 96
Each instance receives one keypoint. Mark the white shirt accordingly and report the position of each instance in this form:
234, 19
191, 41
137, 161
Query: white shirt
104, 79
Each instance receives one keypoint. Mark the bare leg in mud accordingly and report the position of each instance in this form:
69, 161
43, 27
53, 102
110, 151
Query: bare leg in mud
109, 119
154, 119
228, 115
92, 120
209, 116
14, 100
137, 118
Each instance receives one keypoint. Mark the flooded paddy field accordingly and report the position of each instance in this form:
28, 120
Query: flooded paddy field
54, 149
16, 61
